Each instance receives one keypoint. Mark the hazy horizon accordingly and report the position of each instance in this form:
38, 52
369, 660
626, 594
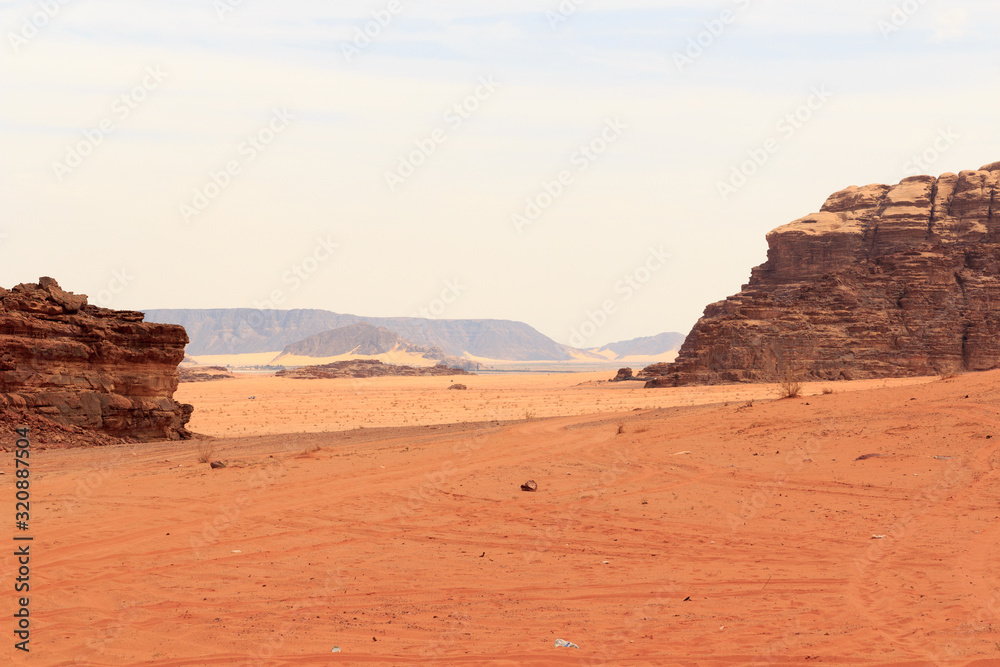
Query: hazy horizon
222, 153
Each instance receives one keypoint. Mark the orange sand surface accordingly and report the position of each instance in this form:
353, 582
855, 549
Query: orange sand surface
695, 535
314, 406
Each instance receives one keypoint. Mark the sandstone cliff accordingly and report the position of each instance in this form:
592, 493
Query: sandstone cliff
89, 368
885, 281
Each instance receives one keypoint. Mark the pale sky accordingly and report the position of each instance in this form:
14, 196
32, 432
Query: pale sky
113, 113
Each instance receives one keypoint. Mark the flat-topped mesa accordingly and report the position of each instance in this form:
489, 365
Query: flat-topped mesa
83, 366
885, 281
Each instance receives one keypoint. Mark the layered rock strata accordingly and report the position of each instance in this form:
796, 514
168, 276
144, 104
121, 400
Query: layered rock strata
88, 368
885, 281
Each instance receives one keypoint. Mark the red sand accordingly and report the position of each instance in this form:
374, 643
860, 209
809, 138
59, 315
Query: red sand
415, 546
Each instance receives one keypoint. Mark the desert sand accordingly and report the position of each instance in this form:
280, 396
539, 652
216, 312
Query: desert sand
700, 530
315, 406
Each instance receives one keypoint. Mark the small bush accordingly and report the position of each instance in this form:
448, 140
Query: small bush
621, 427
827, 391
205, 452
790, 389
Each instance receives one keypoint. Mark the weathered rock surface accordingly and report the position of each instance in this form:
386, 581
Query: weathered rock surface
365, 368
885, 281
624, 374
88, 369
204, 374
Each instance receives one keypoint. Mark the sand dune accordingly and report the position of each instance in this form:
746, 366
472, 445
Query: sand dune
415, 545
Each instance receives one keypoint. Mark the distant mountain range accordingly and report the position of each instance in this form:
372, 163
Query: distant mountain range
363, 340
360, 339
317, 333
650, 346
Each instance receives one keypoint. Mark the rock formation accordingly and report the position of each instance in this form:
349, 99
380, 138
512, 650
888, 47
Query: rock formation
885, 281
204, 374
88, 368
624, 374
365, 368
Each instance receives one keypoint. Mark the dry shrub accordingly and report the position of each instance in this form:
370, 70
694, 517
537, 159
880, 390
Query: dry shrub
789, 386
205, 452
790, 389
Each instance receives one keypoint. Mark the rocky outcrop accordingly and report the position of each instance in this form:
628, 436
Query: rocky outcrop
365, 368
89, 368
204, 374
624, 374
885, 281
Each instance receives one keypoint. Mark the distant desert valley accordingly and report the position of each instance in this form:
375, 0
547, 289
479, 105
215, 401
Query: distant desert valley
811, 475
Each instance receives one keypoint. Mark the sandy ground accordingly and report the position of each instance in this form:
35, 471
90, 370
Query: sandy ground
315, 406
692, 535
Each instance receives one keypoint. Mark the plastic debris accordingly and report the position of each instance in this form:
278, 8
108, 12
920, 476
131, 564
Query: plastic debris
336, 649
562, 643
878, 537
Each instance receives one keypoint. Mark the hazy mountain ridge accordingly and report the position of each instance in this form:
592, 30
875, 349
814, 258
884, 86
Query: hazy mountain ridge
226, 331
647, 346
362, 339
365, 340
246, 330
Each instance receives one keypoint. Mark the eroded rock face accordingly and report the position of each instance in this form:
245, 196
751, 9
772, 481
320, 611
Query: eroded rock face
885, 281
88, 367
